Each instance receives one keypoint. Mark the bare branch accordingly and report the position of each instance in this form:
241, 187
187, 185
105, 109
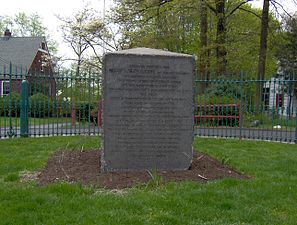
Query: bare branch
211, 8
249, 11
274, 3
237, 7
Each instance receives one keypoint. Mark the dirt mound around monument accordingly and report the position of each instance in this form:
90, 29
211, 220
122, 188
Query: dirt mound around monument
84, 167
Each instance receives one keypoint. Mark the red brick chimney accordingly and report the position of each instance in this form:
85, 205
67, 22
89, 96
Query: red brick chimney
7, 34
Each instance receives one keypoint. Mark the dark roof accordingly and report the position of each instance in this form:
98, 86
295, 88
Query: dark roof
20, 51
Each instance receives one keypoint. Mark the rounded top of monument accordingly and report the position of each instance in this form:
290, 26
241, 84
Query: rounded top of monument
148, 51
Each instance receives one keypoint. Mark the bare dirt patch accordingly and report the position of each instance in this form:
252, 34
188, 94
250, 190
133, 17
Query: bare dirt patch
84, 167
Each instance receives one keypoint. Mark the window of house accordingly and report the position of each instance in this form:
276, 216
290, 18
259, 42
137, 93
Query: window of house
4, 88
43, 45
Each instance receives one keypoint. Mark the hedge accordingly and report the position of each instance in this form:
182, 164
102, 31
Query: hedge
15, 105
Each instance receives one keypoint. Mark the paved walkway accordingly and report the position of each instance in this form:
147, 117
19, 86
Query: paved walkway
51, 130
66, 129
257, 134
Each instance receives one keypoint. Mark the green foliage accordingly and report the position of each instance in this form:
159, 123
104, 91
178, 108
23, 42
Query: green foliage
83, 109
155, 181
78, 88
225, 89
85, 32
175, 25
225, 160
171, 26
23, 25
212, 105
287, 50
40, 105
94, 115
243, 38
208, 99
15, 105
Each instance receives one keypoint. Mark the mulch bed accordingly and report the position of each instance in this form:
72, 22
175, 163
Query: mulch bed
84, 167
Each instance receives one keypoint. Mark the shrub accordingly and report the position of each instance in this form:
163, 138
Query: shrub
15, 105
83, 109
215, 100
63, 108
94, 113
40, 105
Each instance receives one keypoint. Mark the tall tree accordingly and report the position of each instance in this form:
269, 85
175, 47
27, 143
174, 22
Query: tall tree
287, 48
218, 7
204, 50
85, 33
161, 12
263, 40
88, 37
262, 52
72, 34
29, 25
164, 24
287, 56
221, 36
228, 31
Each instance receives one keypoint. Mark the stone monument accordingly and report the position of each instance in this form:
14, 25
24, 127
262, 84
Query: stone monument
148, 110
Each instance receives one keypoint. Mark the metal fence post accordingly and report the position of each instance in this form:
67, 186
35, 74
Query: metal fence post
241, 105
73, 115
24, 109
11, 131
296, 125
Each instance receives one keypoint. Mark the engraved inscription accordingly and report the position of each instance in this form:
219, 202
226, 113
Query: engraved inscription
148, 112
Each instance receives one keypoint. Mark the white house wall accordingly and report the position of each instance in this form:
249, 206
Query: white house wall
275, 87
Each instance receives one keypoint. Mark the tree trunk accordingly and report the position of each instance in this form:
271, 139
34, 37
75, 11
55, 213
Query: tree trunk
158, 25
262, 53
221, 37
79, 57
204, 52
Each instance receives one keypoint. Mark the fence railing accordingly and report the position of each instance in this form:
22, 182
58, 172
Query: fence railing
64, 103
59, 103
240, 107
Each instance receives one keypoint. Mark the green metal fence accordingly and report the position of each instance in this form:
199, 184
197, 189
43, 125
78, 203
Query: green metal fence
236, 106
64, 103
48, 104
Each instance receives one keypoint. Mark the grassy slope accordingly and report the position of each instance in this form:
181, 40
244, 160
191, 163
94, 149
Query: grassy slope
269, 198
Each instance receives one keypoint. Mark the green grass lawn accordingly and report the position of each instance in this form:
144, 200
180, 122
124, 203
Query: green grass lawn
269, 198
5, 122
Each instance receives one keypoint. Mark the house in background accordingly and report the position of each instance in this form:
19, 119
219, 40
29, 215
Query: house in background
280, 95
22, 57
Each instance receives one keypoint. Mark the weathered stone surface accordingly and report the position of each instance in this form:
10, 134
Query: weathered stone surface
148, 111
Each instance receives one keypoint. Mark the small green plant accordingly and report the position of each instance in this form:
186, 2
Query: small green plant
225, 160
155, 181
